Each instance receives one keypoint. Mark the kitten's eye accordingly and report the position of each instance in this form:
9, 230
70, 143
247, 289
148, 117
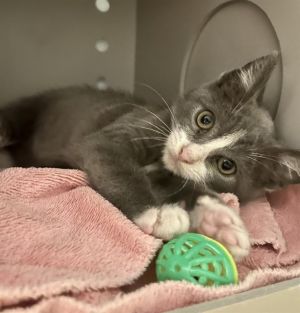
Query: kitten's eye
226, 166
205, 120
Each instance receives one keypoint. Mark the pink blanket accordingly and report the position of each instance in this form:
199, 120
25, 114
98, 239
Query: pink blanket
63, 248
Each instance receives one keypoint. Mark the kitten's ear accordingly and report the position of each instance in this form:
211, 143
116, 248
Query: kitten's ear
280, 166
248, 82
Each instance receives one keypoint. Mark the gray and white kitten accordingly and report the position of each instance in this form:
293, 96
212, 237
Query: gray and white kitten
217, 138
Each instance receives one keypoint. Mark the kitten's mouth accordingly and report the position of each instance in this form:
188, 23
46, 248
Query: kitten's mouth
173, 162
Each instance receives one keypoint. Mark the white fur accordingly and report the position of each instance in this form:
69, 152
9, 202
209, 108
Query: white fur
196, 171
165, 222
214, 219
152, 167
247, 78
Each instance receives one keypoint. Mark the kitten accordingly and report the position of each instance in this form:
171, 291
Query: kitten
149, 160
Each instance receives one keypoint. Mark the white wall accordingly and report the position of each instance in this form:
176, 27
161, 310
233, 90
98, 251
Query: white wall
164, 29
51, 43
285, 16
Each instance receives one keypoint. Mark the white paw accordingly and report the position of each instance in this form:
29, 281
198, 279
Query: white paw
165, 222
212, 218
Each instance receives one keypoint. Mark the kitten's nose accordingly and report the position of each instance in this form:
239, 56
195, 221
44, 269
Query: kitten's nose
185, 156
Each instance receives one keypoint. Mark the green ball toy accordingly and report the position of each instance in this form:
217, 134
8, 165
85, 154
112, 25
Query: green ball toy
197, 259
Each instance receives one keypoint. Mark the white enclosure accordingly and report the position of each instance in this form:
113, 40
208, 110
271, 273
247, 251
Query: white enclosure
172, 45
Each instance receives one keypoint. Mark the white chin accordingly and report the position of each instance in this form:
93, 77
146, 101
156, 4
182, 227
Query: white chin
171, 164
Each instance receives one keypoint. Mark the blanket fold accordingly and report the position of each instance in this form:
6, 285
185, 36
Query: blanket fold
273, 223
63, 248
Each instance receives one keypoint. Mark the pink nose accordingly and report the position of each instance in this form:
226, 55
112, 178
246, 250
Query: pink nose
184, 155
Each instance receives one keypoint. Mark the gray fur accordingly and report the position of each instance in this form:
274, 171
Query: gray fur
115, 138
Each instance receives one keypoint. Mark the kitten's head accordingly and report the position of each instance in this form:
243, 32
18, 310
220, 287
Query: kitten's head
223, 136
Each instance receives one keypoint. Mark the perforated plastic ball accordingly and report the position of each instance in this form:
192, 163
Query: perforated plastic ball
197, 259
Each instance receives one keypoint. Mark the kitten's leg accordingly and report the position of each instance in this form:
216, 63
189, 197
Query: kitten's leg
6, 137
5, 159
115, 173
213, 218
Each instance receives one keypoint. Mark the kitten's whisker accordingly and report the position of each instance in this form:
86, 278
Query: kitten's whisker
264, 165
267, 157
156, 126
152, 124
256, 161
290, 168
151, 129
161, 97
162, 131
158, 145
181, 188
145, 109
263, 156
238, 107
149, 138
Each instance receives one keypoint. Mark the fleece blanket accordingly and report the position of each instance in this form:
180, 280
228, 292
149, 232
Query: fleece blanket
63, 248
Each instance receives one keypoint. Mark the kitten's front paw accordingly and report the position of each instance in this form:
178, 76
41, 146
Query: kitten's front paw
214, 219
165, 222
